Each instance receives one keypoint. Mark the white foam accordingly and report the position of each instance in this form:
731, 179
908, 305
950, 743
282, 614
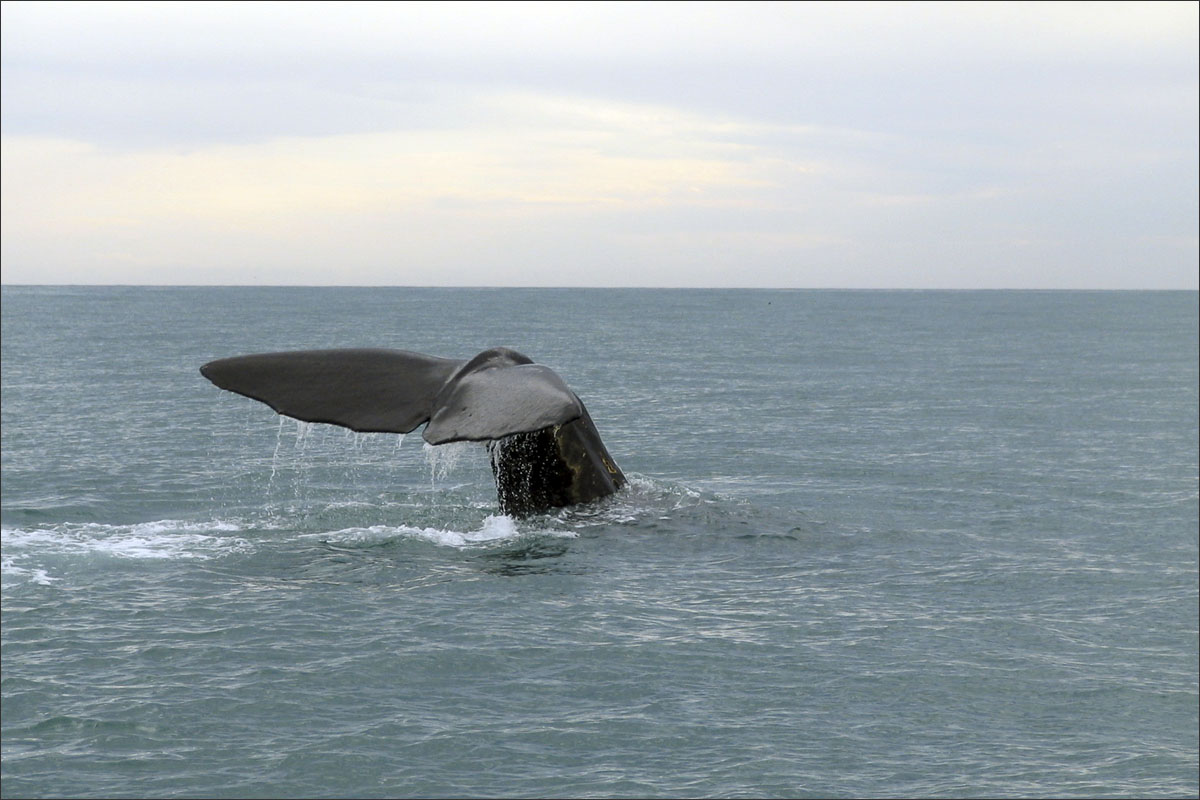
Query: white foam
8, 567
165, 539
495, 528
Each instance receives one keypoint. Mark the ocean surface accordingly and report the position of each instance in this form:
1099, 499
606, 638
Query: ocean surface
883, 544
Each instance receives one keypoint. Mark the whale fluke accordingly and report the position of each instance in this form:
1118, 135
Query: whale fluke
545, 450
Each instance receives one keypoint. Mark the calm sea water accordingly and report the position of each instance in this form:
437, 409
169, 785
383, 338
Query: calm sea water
875, 543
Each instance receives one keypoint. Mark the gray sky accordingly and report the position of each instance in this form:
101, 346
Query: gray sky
885, 145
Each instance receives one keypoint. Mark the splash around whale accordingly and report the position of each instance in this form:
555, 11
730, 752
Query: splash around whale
544, 449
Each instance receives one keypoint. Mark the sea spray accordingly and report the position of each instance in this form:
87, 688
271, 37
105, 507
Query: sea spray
302, 430
442, 459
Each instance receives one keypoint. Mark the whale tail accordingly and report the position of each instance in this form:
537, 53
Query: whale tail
545, 450
496, 394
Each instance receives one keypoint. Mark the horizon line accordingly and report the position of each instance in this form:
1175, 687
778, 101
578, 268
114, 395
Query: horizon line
4, 284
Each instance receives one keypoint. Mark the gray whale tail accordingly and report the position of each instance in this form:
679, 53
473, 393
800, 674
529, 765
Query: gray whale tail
544, 448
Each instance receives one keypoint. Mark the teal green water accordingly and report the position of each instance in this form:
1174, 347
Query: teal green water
875, 543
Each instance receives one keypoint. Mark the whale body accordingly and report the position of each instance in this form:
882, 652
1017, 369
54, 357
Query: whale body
544, 449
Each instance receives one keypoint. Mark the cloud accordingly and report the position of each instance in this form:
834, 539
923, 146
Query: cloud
159, 73
540, 168
578, 144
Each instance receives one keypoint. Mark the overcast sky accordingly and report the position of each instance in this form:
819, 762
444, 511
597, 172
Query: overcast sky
853, 145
